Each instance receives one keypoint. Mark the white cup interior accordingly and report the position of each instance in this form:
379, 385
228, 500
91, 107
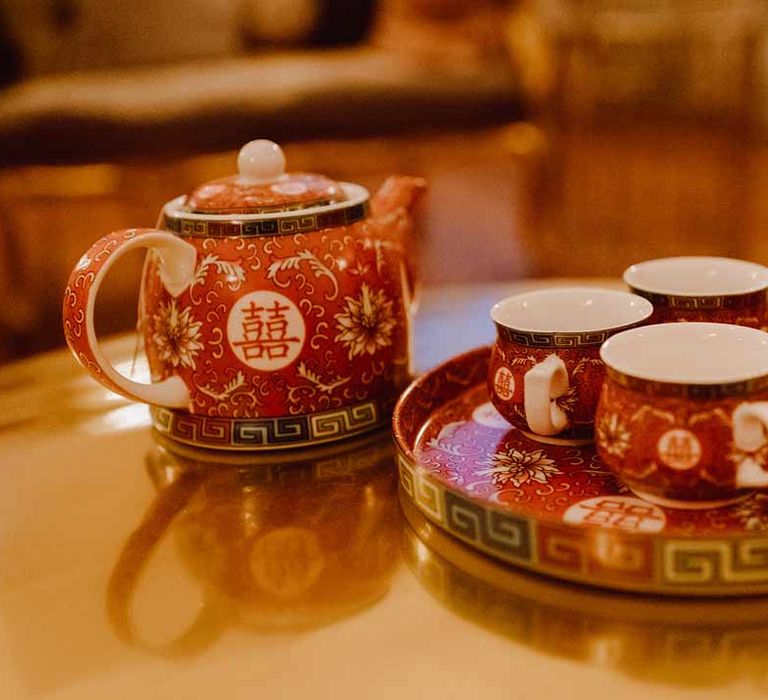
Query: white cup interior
570, 310
697, 276
689, 353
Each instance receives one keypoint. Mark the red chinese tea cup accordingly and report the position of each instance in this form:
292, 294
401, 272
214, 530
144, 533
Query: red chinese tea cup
683, 413
702, 288
545, 372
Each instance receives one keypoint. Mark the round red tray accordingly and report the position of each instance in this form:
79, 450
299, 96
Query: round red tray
556, 509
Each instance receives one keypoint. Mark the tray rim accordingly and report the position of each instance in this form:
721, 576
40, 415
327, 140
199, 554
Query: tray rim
414, 477
696, 612
563, 619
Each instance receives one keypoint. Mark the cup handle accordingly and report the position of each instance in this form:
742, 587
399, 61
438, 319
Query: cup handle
750, 433
543, 383
177, 269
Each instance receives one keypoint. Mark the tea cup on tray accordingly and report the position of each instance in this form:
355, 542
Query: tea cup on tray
545, 371
702, 288
683, 413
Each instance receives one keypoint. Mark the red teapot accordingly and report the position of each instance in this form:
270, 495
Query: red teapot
274, 307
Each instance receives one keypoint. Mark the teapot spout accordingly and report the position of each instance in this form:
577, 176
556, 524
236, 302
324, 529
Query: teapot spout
392, 209
399, 192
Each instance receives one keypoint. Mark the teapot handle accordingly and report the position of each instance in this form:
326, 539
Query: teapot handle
137, 551
177, 265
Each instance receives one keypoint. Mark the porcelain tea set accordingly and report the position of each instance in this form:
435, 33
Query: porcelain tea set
275, 313
678, 411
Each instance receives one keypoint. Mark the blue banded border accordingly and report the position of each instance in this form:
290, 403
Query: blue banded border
270, 433
700, 566
680, 302
561, 340
648, 387
290, 224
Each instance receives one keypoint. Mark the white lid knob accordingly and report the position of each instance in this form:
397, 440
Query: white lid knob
261, 161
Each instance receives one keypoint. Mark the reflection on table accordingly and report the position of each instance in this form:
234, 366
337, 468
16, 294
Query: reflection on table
275, 542
676, 641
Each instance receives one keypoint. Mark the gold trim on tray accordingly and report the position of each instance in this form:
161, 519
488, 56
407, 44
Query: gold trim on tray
706, 566
663, 639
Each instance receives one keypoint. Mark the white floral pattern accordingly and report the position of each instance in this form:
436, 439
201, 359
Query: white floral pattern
613, 435
753, 513
567, 401
233, 271
176, 336
367, 322
760, 455
518, 467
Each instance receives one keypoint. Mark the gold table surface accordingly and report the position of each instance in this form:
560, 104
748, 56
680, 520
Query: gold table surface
128, 571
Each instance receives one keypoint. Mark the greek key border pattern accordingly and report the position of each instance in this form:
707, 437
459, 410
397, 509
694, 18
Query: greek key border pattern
559, 340
269, 433
653, 564
715, 563
282, 226
688, 391
702, 303
528, 618
508, 536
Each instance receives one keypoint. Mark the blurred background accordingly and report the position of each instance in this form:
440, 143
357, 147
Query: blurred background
559, 137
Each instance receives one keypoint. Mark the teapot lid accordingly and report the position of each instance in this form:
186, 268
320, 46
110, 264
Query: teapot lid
263, 186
